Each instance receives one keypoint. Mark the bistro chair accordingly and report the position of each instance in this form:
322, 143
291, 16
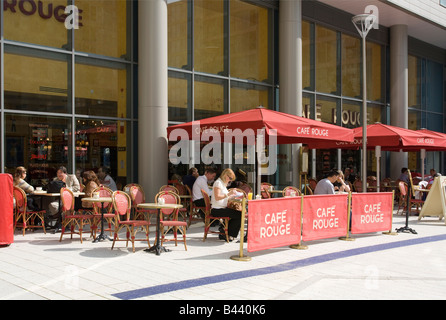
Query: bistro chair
108, 214
264, 190
209, 219
312, 183
307, 190
169, 187
137, 196
70, 217
127, 187
357, 185
372, 185
402, 200
385, 185
288, 191
22, 213
122, 205
413, 201
186, 202
194, 212
169, 218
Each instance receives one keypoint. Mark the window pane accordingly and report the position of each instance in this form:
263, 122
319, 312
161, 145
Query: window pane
306, 56
249, 41
178, 34
434, 122
209, 97
351, 114
101, 91
40, 144
351, 66
209, 36
326, 109
434, 86
36, 84
414, 82
104, 29
374, 72
102, 143
38, 22
179, 96
326, 60
245, 96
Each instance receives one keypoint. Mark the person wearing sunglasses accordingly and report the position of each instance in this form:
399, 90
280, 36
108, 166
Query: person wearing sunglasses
219, 204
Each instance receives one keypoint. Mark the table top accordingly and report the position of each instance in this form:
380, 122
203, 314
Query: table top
159, 206
55, 194
417, 188
275, 191
100, 199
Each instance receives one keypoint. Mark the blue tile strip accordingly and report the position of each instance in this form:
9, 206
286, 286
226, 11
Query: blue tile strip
186, 284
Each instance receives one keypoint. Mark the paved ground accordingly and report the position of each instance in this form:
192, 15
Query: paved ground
374, 266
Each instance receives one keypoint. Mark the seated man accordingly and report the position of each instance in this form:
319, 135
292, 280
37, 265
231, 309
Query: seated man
105, 179
62, 179
325, 186
404, 175
202, 183
190, 178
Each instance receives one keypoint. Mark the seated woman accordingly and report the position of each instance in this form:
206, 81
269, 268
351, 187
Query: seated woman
19, 181
91, 182
339, 184
219, 204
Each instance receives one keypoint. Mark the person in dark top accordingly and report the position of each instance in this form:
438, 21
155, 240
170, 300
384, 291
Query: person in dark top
190, 178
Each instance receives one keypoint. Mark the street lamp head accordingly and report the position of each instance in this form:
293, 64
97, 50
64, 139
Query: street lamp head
364, 23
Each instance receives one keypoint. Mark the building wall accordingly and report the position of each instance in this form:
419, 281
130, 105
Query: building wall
430, 10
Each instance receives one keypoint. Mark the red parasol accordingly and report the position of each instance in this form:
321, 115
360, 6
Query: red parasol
245, 127
391, 138
289, 128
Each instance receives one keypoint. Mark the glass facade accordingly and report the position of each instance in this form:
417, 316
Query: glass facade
69, 92
220, 57
67, 96
332, 86
426, 103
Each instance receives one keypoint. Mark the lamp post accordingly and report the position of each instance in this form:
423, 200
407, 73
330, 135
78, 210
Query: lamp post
363, 23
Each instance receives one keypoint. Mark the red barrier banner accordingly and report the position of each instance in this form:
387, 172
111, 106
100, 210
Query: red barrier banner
371, 212
324, 216
273, 223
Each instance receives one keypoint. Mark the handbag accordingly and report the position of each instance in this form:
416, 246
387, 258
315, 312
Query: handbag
236, 205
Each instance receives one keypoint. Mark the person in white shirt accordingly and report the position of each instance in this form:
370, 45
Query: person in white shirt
202, 183
325, 186
105, 179
219, 203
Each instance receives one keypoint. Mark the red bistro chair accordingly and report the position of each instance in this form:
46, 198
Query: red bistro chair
122, 205
22, 213
70, 217
288, 191
137, 196
97, 207
169, 218
209, 219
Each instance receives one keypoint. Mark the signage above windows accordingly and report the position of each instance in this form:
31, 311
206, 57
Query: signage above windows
45, 11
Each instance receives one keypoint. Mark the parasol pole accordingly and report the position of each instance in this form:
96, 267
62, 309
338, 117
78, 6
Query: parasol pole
364, 23
260, 142
378, 162
423, 157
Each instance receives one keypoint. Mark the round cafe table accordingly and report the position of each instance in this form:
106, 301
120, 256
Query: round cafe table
157, 248
101, 200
